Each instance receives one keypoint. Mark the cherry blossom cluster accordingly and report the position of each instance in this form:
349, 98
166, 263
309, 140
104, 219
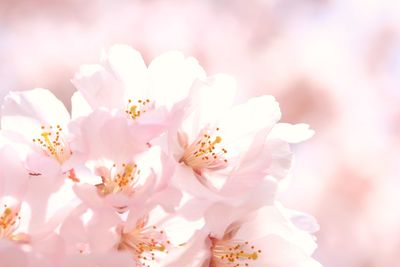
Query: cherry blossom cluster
156, 165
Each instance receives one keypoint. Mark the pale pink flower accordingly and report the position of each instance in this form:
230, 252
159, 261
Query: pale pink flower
90, 239
233, 237
216, 143
124, 82
165, 171
37, 121
103, 135
147, 243
22, 242
13, 187
143, 235
118, 165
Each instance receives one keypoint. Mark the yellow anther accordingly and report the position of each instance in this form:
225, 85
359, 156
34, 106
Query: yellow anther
122, 178
7, 211
232, 253
136, 110
53, 142
144, 242
9, 222
205, 152
217, 140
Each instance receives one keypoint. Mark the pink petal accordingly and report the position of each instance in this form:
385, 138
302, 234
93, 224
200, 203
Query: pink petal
194, 253
13, 176
128, 66
278, 252
11, 255
43, 164
292, 133
244, 121
99, 87
170, 77
38, 104
79, 106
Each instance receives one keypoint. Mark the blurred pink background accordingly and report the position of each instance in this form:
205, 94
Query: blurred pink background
334, 64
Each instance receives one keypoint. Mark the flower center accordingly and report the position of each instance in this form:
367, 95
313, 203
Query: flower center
205, 152
232, 253
52, 141
144, 242
9, 222
135, 109
121, 178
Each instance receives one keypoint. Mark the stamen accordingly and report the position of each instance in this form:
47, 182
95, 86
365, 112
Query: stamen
205, 152
52, 141
136, 109
9, 222
121, 178
144, 242
232, 253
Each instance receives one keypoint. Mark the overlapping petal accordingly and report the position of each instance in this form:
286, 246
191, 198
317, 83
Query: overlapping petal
157, 165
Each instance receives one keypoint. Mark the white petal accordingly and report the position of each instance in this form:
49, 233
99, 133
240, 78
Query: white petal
273, 220
303, 221
274, 160
256, 114
24, 112
245, 122
79, 106
193, 253
213, 97
292, 133
99, 87
279, 252
185, 180
13, 176
171, 76
128, 66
